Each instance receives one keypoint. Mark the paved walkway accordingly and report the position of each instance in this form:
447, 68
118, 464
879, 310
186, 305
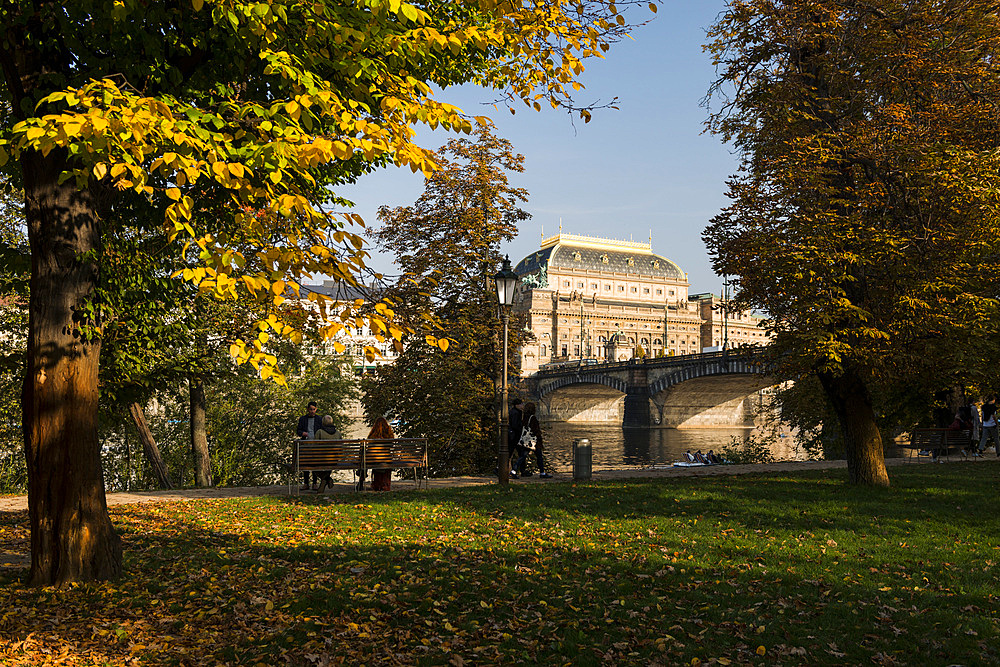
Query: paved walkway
20, 503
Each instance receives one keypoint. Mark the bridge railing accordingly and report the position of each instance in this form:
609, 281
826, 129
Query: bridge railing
579, 365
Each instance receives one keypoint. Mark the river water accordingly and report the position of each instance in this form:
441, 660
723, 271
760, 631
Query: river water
617, 447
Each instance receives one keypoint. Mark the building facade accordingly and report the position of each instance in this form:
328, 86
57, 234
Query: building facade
594, 299
731, 329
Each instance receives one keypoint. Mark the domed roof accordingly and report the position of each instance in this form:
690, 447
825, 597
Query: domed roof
566, 251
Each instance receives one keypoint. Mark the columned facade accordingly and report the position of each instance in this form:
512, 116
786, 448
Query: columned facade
597, 300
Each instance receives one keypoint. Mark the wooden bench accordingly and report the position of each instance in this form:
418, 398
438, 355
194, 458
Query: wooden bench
937, 441
361, 455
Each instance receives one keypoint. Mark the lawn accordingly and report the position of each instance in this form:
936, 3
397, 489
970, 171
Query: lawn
769, 569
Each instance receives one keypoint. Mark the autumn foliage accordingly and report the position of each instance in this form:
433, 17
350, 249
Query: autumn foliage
865, 216
231, 123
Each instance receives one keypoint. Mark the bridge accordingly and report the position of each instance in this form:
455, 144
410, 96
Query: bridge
709, 389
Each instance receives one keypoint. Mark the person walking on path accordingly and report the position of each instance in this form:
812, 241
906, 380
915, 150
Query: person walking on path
306, 430
989, 426
515, 421
530, 421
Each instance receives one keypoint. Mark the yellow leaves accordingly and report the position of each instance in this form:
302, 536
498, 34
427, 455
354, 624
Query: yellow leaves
441, 343
173, 193
761, 650
197, 4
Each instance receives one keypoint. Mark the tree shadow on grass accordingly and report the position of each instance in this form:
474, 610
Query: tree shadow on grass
467, 575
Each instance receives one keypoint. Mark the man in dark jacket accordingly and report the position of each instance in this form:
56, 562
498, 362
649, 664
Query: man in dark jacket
515, 422
306, 430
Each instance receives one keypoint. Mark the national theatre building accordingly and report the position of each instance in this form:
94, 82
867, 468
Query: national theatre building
608, 300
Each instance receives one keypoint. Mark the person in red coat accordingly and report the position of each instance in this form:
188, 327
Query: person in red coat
381, 478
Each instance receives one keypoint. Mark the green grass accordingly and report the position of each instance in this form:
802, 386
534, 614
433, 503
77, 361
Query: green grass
769, 569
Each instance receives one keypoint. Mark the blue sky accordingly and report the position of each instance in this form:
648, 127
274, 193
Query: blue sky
646, 166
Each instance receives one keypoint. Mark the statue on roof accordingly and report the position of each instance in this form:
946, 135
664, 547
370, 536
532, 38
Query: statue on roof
539, 280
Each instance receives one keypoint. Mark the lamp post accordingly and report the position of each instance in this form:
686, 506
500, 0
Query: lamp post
506, 282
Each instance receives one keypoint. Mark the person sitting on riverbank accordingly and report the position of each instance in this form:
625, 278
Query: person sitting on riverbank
700, 458
712, 458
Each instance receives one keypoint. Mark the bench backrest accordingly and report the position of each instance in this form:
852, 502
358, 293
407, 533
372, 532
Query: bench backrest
357, 454
928, 438
328, 454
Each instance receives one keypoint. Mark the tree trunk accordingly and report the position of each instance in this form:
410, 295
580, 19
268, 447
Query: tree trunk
199, 436
72, 538
149, 448
862, 440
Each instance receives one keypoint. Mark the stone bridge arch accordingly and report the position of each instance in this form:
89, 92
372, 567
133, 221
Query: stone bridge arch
711, 389
587, 397
716, 393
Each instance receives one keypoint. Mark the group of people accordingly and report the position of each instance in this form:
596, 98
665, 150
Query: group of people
982, 426
708, 459
313, 427
522, 422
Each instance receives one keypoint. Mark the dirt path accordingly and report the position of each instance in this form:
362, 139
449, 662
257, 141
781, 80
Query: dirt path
20, 503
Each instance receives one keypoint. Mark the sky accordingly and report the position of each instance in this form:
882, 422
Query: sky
646, 167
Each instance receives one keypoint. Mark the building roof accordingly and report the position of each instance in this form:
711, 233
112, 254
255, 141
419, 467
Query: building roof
568, 251
338, 291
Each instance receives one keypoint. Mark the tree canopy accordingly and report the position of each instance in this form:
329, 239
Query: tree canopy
448, 246
865, 217
231, 121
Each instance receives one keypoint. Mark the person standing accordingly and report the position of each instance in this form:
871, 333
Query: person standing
515, 420
530, 422
977, 421
989, 426
306, 430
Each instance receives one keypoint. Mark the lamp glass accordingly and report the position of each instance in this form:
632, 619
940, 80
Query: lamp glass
506, 281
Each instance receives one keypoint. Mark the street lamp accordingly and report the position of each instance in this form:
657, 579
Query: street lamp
506, 282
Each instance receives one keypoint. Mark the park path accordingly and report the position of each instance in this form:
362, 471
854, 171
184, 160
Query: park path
20, 503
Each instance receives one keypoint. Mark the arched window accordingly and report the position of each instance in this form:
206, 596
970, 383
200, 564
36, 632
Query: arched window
543, 352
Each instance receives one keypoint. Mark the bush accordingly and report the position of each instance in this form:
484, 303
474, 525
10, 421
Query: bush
750, 449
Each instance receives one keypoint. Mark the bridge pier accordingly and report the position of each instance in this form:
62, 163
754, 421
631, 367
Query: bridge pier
637, 413
637, 399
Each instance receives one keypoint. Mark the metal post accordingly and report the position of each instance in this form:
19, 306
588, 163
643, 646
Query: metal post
503, 469
725, 317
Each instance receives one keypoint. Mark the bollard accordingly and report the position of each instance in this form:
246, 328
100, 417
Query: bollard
581, 459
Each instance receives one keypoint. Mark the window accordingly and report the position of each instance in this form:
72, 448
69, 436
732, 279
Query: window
593, 285
645, 290
544, 351
576, 350
671, 292
579, 283
607, 288
621, 288
565, 283
565, 351
634, 290
659, 292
